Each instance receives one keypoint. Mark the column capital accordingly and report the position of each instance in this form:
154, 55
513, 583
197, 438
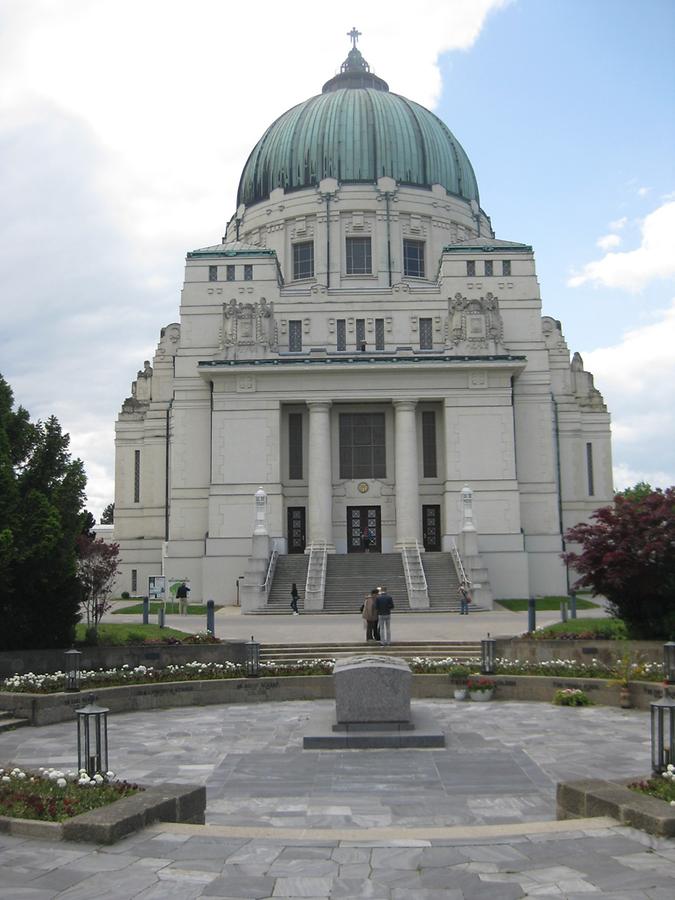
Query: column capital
405, 404
318, 405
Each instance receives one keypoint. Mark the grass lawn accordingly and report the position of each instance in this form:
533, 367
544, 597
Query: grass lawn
544, 604
129, 633
607, 629
194, 609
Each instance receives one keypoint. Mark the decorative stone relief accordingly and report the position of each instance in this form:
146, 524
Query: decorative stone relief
582, 382
401, 287
247, 327
475, 324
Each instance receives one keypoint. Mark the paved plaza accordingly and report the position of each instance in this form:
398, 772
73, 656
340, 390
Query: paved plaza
474, 820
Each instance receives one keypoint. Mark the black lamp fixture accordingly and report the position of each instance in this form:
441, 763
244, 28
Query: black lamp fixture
72, 670
92, 738
669, 662
252, 658
663, 733
487, 655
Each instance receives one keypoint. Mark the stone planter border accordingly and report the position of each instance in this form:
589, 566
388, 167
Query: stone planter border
47, 709
108, 824
592, 797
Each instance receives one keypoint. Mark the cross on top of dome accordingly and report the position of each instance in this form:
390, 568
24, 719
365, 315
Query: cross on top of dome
355, 71
354, 35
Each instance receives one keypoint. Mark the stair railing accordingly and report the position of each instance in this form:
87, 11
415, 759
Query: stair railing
269, 577
459, 565
315, 586
415, 579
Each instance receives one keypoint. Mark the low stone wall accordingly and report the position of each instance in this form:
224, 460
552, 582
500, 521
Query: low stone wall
18, 662
108, 824
588, 798
581, 651
46, 709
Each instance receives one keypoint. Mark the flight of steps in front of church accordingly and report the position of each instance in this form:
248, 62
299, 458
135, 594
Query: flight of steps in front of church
459, 650
349, 577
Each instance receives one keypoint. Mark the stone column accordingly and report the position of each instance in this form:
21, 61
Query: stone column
320, 474
406, 472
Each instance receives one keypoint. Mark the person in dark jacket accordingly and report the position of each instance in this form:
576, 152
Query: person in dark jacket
384, 605
294, 599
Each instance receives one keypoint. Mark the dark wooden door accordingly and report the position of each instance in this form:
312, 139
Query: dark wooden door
296, 529
431, 527
364, 530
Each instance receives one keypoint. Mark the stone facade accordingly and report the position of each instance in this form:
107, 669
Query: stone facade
252, 386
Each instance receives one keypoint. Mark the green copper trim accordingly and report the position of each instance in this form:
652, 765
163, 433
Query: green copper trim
217, 251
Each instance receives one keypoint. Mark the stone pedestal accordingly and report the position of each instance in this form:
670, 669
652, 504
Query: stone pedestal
372, 709
252, 592
372, 689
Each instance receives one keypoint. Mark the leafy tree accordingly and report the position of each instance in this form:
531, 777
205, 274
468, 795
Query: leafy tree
108, 515
637, 492
628, 554
41, 515
96, 569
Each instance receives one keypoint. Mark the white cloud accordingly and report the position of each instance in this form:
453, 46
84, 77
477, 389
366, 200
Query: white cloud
124, 126
618, 224
632, 270
643, 191
608, 241
637, 379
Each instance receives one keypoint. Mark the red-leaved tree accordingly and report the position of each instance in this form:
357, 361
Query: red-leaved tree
628, 555
96, 569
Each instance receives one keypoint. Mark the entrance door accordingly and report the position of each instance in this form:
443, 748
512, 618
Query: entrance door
364, 533
296, 529
431, 527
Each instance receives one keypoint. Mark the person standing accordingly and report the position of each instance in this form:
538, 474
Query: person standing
384, 605
464, 598
294, 599
182, 597
369, 612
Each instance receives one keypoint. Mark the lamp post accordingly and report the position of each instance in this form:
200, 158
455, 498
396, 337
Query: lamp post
669, 662
663, 733
252, 658
92, 738
487, 655
72, 670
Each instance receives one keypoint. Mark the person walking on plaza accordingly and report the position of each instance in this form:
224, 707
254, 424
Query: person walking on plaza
384, 605
182, 597
464, 598
369, 613
294, 599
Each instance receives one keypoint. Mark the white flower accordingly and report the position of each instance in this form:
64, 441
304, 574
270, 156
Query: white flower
61, 782
98, 778
109, 774
5, 777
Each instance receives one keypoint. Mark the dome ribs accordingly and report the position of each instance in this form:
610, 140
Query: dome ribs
356, 135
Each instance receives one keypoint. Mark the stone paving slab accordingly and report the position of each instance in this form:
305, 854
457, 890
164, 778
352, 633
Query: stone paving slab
390, 824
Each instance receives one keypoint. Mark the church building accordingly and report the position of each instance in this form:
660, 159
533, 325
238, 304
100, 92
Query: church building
362, 351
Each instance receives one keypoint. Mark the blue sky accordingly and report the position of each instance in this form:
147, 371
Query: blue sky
124, 126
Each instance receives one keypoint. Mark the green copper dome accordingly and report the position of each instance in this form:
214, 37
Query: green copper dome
356, 131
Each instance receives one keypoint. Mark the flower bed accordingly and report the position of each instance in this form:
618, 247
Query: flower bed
663, 787
52, 796
571, 697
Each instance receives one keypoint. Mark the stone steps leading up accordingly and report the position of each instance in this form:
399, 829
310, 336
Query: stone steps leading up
350, 576
460, 650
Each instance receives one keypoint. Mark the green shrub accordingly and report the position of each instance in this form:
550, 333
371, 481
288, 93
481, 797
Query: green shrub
571, 697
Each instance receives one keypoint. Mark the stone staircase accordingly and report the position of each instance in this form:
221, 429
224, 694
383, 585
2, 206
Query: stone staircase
349, 577
289, 569
442, 582
8, 722
459, 650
